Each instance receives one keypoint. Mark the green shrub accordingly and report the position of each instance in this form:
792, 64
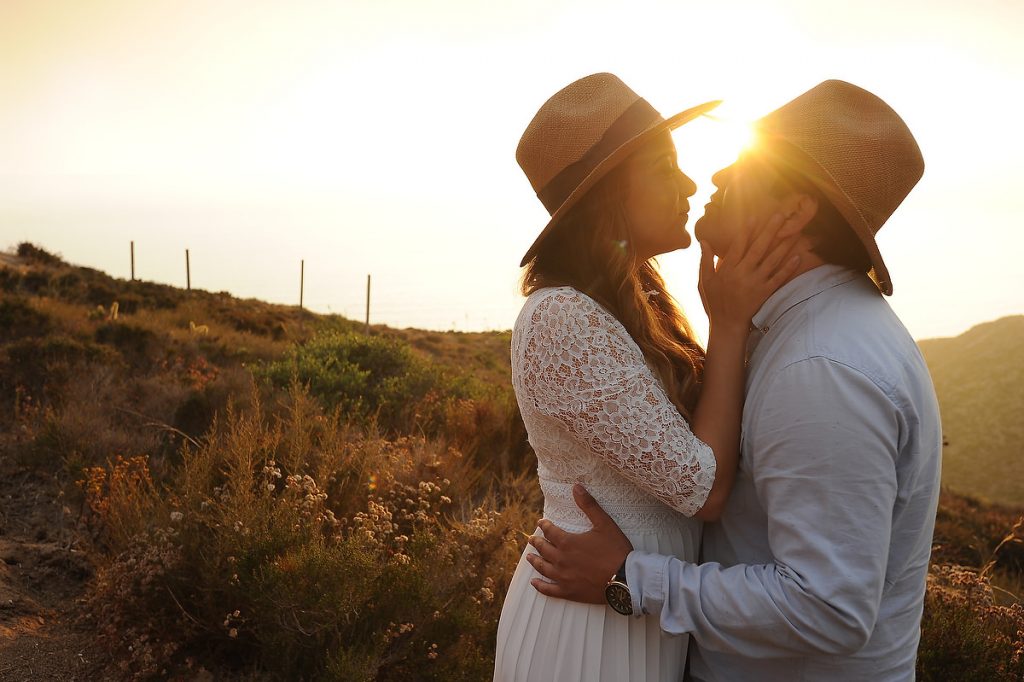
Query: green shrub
130, 304
370, 377
135, 343
99, 293
256, 317
66, 284
42, 366
33, 253
157, 296
18, 319
34, 281
10, 280
55, 348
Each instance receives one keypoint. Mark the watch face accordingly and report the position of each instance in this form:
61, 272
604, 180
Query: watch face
618, 598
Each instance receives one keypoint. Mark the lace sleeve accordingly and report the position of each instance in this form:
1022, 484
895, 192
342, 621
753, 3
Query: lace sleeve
580, 366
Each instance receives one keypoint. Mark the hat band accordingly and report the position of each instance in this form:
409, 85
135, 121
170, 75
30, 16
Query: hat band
634, 120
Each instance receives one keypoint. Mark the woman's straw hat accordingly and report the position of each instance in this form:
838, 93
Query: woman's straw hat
853, 147
582, 132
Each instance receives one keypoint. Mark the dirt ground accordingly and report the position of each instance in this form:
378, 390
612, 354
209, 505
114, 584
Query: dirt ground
42, 579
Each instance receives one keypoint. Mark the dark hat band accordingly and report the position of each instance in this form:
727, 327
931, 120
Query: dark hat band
637, 118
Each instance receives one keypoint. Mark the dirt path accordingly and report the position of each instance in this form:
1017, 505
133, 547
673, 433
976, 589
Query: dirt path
42, 578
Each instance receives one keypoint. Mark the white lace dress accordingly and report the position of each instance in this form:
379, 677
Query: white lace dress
596, 413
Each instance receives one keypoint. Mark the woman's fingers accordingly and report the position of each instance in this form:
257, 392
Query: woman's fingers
739, 244
707, 263
757, 263
783, 273
782, 248
705, 273
766, 236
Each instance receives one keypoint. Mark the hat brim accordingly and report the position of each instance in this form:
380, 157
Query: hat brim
610, 162
802, 163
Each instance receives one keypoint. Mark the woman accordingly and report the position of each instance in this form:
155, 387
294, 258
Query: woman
613, 389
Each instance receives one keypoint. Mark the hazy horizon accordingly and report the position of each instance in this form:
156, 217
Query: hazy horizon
379, 138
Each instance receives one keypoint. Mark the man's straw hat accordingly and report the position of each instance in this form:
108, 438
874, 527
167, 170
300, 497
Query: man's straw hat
853, 147
582, 132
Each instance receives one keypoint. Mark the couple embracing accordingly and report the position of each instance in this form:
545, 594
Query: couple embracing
759, 511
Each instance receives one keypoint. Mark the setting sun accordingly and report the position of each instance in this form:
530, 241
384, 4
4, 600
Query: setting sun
713, 143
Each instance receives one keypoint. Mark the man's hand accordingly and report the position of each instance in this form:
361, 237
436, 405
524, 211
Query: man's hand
581, 564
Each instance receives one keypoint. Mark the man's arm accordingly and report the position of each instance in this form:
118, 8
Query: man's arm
823, 450
824, 447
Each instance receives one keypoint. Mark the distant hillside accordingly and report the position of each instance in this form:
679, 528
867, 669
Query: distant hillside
979, 378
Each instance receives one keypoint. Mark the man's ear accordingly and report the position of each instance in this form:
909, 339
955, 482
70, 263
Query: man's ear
799, 210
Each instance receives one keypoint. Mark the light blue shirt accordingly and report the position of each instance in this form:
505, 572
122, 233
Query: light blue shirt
817, 568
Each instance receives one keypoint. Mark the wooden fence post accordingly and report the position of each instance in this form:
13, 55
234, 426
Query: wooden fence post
367, 304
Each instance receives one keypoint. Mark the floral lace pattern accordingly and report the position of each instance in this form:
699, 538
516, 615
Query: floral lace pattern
598, 414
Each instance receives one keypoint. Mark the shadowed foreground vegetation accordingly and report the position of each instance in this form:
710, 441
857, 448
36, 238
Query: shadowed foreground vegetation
270, 494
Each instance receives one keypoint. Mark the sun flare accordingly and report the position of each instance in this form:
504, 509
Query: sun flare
711, 143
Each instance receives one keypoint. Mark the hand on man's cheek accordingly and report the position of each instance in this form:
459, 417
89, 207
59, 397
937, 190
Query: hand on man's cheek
580, 564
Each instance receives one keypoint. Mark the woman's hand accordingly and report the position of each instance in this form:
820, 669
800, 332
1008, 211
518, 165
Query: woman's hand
735, 288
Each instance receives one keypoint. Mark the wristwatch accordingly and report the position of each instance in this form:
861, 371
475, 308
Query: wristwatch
617, 592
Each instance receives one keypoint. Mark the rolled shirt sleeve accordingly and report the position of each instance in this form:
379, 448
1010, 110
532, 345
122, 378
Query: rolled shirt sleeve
821, 451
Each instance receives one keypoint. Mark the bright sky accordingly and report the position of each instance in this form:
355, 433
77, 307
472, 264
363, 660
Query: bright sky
379, 137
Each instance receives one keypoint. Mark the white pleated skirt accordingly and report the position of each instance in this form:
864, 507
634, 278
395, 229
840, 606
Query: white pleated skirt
541, 639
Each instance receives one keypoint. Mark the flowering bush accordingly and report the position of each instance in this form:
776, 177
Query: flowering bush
967, 634
310, 549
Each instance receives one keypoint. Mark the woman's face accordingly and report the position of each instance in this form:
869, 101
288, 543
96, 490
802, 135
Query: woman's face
656, 201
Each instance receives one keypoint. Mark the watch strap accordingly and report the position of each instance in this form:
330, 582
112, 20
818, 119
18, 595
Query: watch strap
620, 575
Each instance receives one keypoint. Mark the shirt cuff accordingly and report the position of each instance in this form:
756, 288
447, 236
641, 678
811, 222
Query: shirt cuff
646, 579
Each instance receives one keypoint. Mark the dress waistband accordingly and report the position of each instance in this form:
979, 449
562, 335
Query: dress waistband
630, 507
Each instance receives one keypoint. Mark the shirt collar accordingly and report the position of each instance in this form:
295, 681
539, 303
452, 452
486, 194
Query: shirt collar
798, 290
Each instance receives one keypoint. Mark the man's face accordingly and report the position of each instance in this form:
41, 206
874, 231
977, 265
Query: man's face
742, 203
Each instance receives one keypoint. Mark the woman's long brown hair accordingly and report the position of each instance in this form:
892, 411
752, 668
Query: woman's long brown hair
591, 252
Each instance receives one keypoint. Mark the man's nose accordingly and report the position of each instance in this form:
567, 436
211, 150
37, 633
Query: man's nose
721, 177
687, 186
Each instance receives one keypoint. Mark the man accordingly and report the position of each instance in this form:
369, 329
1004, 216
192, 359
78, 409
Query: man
817, 567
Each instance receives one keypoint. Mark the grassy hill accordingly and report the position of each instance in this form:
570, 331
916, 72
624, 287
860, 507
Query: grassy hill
979, 378
199, 483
